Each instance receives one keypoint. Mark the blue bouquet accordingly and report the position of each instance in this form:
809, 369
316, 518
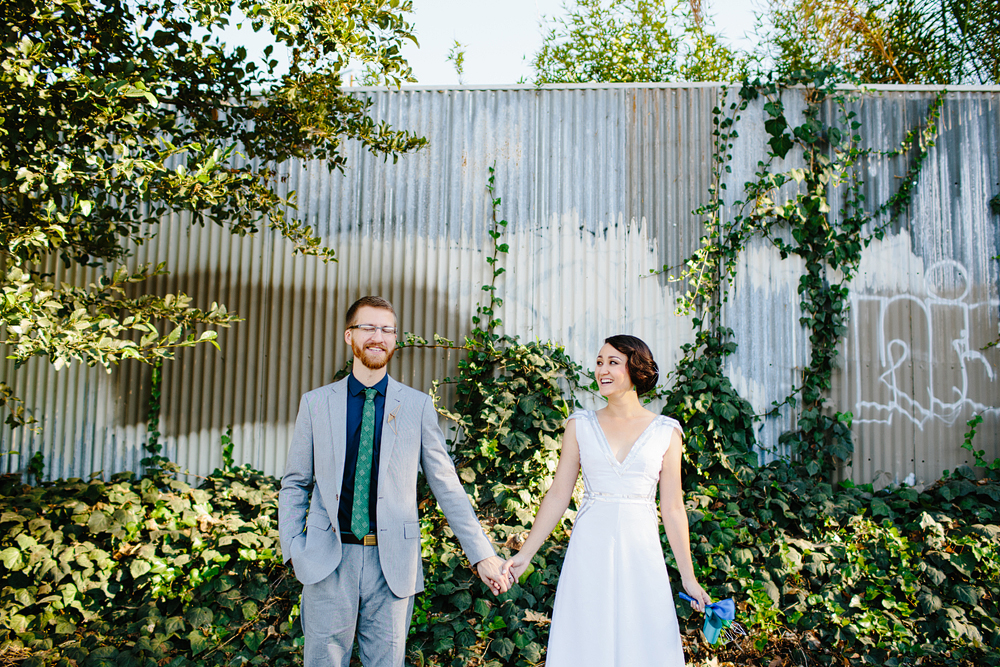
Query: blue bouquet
718, 616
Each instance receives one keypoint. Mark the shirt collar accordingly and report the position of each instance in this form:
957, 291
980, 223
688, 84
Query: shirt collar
355, 386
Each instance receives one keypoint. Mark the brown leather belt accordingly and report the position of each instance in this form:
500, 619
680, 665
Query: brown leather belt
368, 540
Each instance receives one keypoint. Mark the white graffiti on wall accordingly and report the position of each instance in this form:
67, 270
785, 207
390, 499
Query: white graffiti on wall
930, 318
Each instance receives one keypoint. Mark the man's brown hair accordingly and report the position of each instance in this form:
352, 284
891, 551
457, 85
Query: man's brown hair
371, 302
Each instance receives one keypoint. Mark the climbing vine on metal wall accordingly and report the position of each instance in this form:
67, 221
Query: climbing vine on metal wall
802, 224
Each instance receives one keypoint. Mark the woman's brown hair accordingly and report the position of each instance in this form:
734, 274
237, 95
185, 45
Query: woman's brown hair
642, 369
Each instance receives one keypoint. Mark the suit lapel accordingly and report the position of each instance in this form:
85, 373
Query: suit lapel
337, 413
390, 425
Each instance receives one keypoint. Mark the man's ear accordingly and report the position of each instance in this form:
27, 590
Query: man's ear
347, 337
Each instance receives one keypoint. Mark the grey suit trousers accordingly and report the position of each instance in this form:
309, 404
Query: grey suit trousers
355, 599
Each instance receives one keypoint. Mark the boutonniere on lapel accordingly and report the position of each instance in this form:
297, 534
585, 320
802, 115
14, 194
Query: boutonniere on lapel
392, 420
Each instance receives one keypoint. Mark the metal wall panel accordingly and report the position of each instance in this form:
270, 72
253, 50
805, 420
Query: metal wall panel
598, 185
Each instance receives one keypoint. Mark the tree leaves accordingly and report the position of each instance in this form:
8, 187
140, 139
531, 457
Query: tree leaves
111, 126
888, 41
632, 40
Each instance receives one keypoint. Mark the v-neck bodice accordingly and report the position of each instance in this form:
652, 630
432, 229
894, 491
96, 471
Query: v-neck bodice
638, 474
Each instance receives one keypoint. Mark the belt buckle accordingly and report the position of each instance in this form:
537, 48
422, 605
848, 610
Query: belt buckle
369, 540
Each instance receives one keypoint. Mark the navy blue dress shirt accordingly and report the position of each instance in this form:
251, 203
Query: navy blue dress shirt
355, 408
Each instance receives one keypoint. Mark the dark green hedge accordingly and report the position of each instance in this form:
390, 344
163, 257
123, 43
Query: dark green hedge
155, 572
132, 572
126, 573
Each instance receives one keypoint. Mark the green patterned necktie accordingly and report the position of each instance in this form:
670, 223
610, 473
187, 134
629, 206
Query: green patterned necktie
363, 473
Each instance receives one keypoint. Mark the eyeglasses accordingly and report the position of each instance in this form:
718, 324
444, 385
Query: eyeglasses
371, 329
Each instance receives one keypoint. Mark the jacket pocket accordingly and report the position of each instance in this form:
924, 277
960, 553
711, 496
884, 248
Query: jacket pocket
317, 520
411, 530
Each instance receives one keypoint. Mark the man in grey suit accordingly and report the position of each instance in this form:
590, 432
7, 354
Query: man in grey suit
347, 511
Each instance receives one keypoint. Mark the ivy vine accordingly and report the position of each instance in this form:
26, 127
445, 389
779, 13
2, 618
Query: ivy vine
830, 245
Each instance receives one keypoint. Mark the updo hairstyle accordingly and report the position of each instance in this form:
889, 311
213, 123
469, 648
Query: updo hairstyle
642, 370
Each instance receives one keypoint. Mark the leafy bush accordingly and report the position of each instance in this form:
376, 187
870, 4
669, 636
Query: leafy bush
145, 572
510, 412
851, 574
155, 571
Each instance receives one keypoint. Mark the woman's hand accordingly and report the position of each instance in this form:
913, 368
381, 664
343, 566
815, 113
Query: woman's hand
701, 598
515, 566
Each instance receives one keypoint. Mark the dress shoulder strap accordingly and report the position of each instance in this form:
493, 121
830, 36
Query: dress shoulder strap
671, 424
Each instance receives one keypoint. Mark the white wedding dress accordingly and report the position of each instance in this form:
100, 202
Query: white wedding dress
614, 606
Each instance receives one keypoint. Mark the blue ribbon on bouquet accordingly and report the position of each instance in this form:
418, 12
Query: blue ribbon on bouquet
718, 616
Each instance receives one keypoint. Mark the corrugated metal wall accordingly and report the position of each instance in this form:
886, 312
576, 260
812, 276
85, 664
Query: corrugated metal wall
598, 185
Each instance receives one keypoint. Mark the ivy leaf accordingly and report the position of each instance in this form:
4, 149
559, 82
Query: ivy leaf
503, 647
139, 567
879, 508
11, 558
199, 617
18, 623
726, 410
929, 603
249, 610
482, 607
772, 592
776, 126
462, 600
254, 639
965, 593
780, 145
199, 642
936, 576
99, 522
991, 491
173, 625
65, 626
532, 653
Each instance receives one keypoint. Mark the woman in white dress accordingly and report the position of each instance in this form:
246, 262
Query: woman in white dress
614, 606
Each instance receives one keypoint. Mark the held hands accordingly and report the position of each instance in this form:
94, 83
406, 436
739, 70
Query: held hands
489, 571
701, 598
515, 566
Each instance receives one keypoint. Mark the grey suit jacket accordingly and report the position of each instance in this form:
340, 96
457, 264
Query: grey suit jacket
314, 473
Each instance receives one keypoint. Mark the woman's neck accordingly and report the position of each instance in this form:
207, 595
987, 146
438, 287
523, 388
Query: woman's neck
625, 406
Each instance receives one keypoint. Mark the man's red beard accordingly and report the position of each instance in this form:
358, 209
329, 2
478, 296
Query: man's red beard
369, 359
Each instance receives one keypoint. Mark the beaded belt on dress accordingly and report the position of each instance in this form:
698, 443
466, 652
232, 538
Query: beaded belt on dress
620, 497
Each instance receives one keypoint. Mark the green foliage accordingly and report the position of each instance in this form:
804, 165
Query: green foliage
36, 467
626, 41
156, 571
456, 56
509, 413
887, 41
862, 576
154, 464
17, 415
116, 115
853, 572
718, 424
978, 454
132, 572
802, 224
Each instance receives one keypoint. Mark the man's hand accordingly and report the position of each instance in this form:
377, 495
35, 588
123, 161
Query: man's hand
489, 572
